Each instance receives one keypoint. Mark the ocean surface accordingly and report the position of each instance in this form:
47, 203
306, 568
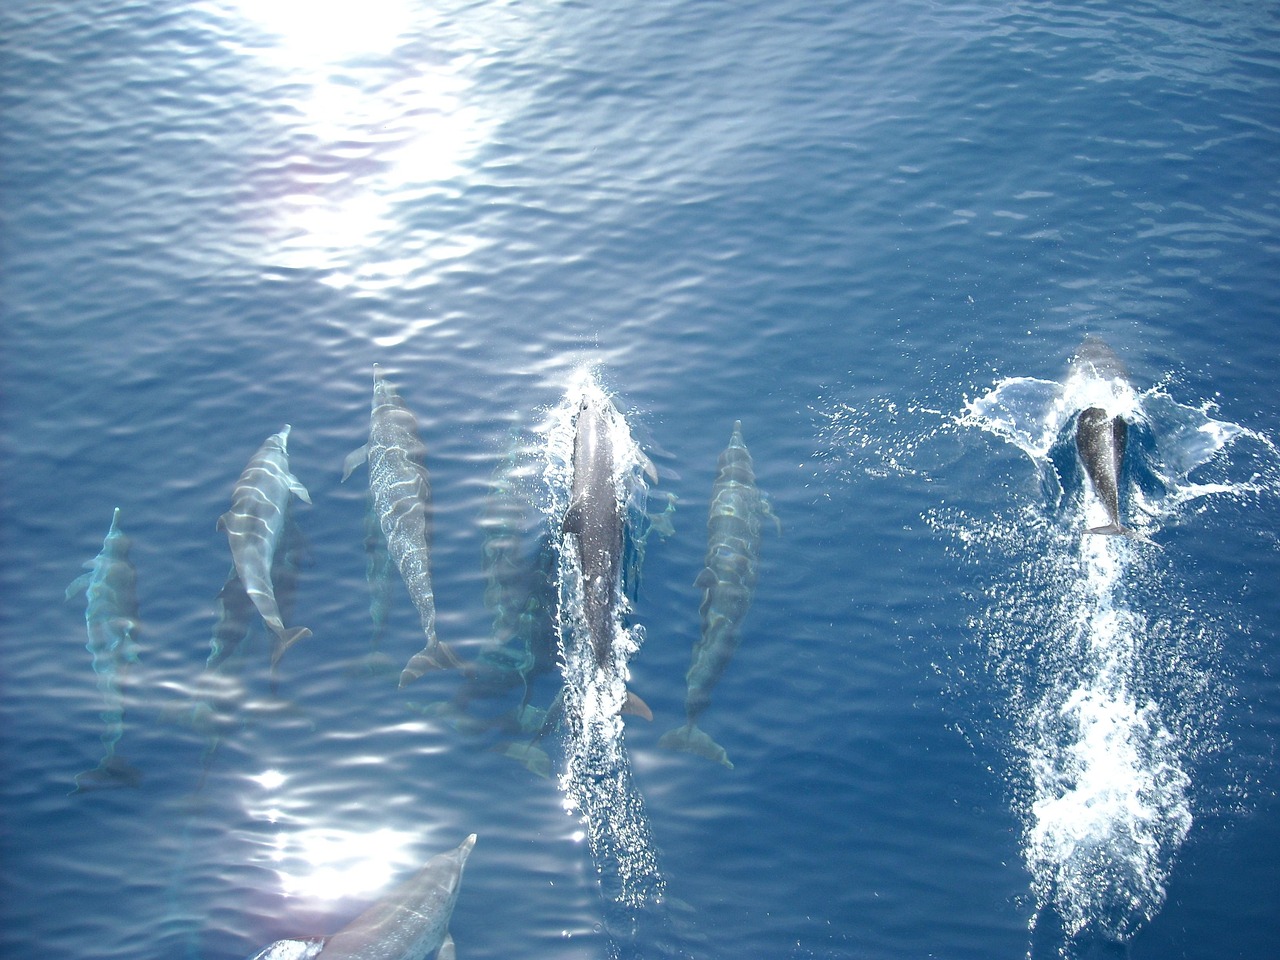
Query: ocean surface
876, 234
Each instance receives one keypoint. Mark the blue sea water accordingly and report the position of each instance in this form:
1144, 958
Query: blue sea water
874, 233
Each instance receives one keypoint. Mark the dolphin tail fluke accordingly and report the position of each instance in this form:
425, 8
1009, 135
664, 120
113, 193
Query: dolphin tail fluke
1111, 530
534, 758
112, 772
636, 707
434, 656
286, 639
691, 739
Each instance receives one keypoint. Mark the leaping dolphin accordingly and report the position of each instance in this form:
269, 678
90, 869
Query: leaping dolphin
412, 923
258, 514
1101, 437
111, 620
728, 581
401, 492
595, 521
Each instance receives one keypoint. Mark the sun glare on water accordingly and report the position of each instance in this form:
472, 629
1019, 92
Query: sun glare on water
379, 117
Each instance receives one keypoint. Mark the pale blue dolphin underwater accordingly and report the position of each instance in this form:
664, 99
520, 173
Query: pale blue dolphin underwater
111, 618
412, 923
258, 514
401, 492
728, 581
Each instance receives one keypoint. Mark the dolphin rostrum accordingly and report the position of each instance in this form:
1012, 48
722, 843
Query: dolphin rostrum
401, 494
258, 514
727, 581
111, 618
412, 923
1100, 437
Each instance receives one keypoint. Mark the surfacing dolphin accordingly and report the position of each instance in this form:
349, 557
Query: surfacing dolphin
401, 494
1101, 437
258, 514
728, 581
412, 923
595, 521
111, 619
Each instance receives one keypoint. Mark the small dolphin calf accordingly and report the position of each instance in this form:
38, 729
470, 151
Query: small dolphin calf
258, 514
727, 581
111, 618
1100, 437
412, 923
401, 494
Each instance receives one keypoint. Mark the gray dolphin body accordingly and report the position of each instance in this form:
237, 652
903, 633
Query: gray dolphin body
111, 620
412, 923
401, 492
1100, 441
258, 514
595, 519
1100, 437
728, 581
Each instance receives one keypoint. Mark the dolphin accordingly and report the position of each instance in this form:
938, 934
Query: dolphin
111, 619
258, 514
727, 581
412, 923
1100, 437
595, 521
401, 492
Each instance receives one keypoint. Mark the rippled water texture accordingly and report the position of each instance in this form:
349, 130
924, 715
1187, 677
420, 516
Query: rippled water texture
873, 233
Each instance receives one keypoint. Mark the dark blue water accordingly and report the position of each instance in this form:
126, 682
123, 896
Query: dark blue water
958, 728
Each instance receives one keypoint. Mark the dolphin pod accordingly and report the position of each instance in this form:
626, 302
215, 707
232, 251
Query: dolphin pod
727, 581
1100, 436
111, 620
258, 514
410, 923
401, 492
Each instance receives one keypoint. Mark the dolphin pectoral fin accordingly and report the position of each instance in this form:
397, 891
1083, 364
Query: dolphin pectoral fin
297, 489
691, 739
447, 950
79, 585
706, 579
285, 640
353, 460
434, 656
223, 522
573, 517
636, 707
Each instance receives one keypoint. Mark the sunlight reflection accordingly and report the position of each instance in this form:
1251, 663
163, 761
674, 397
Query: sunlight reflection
378, 120
328, 864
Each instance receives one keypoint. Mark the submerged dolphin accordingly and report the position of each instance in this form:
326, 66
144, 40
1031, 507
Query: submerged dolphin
401, 494
727, 581
412, 923
111, 618
258, 514
595, 520
1100, 437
